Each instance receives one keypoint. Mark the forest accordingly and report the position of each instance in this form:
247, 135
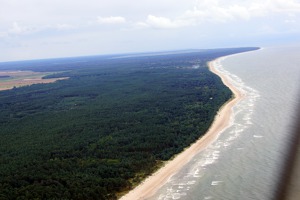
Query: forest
115, 121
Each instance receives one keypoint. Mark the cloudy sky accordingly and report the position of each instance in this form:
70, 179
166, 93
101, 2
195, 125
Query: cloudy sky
33, 29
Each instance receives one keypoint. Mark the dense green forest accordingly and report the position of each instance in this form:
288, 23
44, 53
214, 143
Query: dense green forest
112, 123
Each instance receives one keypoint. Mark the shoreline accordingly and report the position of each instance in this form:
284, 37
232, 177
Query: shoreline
154, 182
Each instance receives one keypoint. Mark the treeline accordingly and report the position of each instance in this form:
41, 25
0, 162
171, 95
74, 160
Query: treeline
100, 132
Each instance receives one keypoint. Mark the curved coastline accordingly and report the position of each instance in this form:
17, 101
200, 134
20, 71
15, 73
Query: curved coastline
221, 121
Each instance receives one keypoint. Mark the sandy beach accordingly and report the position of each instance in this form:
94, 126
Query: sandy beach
222, 120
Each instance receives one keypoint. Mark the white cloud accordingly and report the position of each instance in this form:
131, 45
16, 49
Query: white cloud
17, 29
163, 22
214, 11
186, 21
290, 21
283, 5
240, 12
111, 20
63, 27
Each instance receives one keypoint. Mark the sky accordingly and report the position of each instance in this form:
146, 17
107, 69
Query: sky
36, 29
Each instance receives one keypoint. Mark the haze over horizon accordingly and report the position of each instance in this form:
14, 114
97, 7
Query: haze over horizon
33, 29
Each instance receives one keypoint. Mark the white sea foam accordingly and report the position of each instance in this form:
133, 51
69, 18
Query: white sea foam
216, 182
191, 182
243, 110
176, 196
258, 136
252, 141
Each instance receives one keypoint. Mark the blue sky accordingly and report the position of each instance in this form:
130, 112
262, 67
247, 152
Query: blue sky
34, 29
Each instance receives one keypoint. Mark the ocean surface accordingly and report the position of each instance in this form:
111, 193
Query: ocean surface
245, 161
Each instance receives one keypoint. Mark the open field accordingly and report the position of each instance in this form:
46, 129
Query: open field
11, 79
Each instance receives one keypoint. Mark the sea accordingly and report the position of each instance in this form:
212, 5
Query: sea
245, 161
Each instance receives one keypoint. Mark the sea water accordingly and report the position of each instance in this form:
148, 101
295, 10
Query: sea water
246, 159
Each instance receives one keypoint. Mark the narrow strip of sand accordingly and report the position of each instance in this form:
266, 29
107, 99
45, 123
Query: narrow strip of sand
222, 120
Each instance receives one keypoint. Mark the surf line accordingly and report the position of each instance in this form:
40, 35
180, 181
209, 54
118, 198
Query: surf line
221, 121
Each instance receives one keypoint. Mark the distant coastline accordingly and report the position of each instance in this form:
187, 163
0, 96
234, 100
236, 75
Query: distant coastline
221, 121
